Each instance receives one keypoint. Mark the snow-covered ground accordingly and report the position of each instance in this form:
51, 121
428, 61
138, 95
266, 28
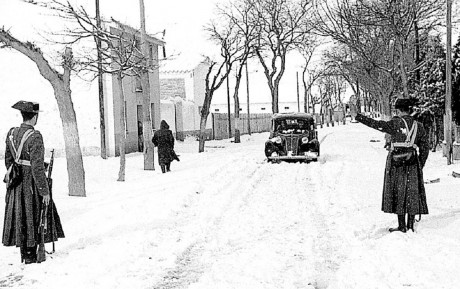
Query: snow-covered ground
227, 219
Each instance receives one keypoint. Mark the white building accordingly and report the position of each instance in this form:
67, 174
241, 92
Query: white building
182, 86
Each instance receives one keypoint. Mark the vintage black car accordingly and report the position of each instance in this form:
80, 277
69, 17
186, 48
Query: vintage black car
293, 137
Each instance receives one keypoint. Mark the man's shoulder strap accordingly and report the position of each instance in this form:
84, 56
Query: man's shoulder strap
410, 135
25, 136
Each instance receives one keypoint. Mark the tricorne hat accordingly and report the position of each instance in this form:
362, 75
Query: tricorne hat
404, 103
27, 106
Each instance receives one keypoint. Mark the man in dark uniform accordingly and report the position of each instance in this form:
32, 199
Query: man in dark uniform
24, 200
403, 189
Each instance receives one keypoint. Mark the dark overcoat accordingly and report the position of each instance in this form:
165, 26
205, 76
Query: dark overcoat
164, 140
24, 202
403, 189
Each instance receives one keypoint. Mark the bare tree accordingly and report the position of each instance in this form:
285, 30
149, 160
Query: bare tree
378, 35
282, 25
119, 54
88, 27
61, 86
307, 50
218, 70
238, 15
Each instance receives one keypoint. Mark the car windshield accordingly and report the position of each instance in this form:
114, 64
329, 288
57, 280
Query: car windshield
292, 125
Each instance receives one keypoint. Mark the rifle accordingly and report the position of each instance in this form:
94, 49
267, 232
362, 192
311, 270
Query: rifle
50, 185
41, 256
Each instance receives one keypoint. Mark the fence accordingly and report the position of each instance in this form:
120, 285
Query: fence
329, 119
259, 122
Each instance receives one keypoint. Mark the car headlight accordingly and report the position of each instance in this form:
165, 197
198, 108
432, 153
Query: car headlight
276, 140
304, 139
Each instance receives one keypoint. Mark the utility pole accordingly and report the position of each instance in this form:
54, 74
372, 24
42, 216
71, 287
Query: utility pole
146, 121
228, 107
298, 97
100, 84
247, 94
448, 116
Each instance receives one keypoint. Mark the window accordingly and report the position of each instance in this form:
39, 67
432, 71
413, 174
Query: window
216, 110
263, 108
286, 107
241, 109
150, 60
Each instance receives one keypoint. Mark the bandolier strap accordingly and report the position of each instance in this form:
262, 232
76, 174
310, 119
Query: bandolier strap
17, 152
410, 137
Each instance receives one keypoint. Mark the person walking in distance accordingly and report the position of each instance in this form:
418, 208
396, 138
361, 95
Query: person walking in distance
164, 140
27, 187
403, 189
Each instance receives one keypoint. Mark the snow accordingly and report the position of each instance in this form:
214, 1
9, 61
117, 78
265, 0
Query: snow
227, 219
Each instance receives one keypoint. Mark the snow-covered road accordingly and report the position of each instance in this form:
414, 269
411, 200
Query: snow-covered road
228, 219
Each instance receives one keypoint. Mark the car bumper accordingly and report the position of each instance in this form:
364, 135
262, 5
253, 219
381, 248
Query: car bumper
308, 157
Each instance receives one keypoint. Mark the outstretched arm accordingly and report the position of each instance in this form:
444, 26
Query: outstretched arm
383, 126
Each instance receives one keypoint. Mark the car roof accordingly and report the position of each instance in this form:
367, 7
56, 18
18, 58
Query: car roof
292, 115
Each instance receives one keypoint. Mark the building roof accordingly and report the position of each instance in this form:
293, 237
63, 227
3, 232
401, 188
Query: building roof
181, 63
133, 31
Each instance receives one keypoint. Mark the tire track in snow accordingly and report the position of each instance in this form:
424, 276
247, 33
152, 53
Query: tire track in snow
330, 204
270, 212
267, 222
189, 265
325, 245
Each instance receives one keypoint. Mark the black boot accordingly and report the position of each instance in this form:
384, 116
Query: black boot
168, 167
31, 255
410, 222
163, 169
401, 224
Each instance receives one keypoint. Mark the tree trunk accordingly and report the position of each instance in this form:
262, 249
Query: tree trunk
122, 141
448, 102
272, 84
386, 109
236, 100
229, 114
275, 107
417, 50
237, 129
305, 92
62, 93
358, 98
146, 120
202, 137
247, 88
204, 119
74, 157
402, 69
100, 85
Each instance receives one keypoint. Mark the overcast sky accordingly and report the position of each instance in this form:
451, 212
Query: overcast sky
183, 21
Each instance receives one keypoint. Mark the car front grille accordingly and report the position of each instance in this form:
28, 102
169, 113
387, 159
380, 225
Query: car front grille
291, 143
